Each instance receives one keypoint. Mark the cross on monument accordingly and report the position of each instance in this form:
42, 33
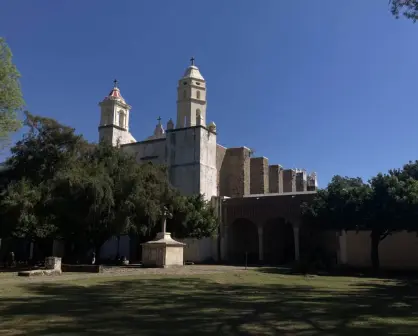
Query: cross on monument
192, 60
159, 120
115, 83
166, 214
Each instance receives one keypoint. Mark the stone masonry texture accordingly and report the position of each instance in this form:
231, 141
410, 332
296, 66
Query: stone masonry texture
275, 179
301, 182
235, 172
289, 180
259, 175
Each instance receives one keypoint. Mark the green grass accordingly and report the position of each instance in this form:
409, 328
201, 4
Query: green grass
235, 303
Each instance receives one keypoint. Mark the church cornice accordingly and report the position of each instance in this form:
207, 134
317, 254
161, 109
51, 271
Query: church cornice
185, 128
144, 141
113, 126
194, 100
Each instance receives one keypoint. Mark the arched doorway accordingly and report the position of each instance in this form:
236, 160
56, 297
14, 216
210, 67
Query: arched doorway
243, 242
278, 242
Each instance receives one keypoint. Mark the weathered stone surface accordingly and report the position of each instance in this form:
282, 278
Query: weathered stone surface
259, 174
163, 252
82, 268
39, 272
289, 180
275, 179
235, 172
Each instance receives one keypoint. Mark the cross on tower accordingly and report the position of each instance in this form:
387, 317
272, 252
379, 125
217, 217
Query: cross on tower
115, 83
192, 60
159, 120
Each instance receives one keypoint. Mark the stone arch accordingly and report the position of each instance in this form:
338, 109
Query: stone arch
242, 240
278, 241
198, 94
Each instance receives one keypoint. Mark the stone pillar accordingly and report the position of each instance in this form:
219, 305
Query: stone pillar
343, 247
289, 180
296, 240
275, 179
259, 175
260, 243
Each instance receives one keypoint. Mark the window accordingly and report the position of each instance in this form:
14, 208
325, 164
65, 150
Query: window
197, 83
184, 83
198, 94
121, 119
184, 94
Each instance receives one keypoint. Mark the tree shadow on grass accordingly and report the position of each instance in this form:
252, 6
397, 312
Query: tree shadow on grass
191, 306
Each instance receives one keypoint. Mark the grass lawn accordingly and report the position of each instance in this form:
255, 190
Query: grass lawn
252, 302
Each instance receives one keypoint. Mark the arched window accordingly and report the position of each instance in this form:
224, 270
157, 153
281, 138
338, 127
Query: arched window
184, 94
122, 119
198, 94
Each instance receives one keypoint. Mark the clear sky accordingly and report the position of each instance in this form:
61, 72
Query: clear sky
309, 84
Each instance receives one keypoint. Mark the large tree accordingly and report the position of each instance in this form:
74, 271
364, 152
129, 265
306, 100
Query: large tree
406, 8
11, 99
106, 193
193, 217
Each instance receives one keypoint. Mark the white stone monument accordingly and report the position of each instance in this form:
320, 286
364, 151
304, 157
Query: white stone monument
53, 263
163, 251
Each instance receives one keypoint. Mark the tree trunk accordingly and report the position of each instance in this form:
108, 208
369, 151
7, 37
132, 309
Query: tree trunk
374, 251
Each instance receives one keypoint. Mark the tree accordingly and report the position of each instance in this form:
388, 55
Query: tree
106, 193
11, 99
193, 218
389, 203
406, 8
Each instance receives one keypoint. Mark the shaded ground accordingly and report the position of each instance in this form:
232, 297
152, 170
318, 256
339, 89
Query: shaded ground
235, 302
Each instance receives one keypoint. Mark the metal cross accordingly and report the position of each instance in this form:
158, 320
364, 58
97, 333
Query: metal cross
159, 120
192, 60
115, 83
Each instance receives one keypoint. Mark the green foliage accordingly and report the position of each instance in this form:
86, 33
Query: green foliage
406, 8
194, 217
389, 203
60, 186
11, 100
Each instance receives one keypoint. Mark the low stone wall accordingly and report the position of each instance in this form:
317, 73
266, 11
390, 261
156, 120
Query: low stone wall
82, 268
200, 250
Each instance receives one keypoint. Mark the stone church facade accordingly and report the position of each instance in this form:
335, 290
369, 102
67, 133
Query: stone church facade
189, 148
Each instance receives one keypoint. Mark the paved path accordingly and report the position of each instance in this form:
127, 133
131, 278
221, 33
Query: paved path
121, 271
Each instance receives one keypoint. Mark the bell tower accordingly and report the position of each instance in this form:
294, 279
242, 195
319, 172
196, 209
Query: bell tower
114, 118
191, 145
191, 98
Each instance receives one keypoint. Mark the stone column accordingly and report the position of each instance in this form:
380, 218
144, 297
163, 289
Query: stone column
260, 243
296, 240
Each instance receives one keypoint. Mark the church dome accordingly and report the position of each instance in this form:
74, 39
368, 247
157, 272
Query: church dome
193, 71
115, 94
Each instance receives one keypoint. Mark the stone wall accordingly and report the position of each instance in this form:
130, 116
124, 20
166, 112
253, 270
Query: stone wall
301, 181
289, 180
235, 172
147, 151
259, 175
220, 155
275, 179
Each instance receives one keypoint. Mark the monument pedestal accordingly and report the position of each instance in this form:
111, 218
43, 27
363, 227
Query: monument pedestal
163, 251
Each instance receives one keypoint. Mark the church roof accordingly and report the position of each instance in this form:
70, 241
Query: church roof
115, 94
193, 72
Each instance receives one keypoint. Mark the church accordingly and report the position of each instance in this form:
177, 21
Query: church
197, 164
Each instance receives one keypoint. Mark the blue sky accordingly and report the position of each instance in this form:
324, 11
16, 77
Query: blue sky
308, 84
